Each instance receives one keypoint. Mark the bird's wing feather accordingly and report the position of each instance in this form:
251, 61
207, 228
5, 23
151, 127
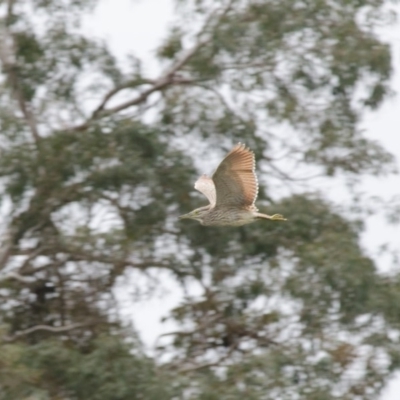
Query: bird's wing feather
206, 186
235, 179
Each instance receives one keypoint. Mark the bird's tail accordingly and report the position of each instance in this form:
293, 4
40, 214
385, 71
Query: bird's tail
275, 217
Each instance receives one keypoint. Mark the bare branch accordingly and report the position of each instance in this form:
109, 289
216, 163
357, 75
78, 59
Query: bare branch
10, 6
167, 78
114, 91
48, 328
158, 85
7, 247
18, 277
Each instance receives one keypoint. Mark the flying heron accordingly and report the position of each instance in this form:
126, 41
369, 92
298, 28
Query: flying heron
232, 192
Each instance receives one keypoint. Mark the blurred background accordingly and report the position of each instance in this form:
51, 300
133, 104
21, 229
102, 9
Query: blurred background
109, 112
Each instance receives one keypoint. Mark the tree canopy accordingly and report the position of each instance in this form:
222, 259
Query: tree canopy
98, 160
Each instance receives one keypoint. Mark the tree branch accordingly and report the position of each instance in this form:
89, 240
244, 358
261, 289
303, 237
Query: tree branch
10, 6
167, 78
5, 253
100, 111
48, 328
18, 277
117, 89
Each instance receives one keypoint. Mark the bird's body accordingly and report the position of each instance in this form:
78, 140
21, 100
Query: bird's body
232, 192
225, 216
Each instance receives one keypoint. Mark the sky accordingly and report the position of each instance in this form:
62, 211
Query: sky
137, 26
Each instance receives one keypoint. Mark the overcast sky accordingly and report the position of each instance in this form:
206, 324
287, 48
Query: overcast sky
137, 26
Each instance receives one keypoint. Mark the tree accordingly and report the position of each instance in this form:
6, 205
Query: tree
108, 370
93, 189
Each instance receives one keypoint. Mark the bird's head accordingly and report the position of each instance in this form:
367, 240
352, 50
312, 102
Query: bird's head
196, 214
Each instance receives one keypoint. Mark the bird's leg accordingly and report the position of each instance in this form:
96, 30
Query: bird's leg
275, 217
278, 217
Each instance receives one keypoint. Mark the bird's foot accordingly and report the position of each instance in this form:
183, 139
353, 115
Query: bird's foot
278, 217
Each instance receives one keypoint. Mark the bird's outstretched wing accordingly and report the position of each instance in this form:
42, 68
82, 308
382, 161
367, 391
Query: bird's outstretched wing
235, 179
206, 186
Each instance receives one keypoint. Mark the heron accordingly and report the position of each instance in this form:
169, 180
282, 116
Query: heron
232, 191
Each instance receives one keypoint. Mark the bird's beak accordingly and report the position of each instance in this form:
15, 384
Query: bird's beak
184, 216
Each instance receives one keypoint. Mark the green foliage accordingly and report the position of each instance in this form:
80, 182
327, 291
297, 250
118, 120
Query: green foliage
172, 46
94, 188
106, 370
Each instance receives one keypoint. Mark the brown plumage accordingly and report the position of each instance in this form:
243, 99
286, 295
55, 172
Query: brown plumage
232, 192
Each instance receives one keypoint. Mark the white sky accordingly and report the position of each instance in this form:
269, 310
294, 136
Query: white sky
137, 26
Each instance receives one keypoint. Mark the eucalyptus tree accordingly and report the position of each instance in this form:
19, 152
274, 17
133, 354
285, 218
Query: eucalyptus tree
97, 162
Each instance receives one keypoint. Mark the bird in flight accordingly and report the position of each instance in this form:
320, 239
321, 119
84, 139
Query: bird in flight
232, 192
